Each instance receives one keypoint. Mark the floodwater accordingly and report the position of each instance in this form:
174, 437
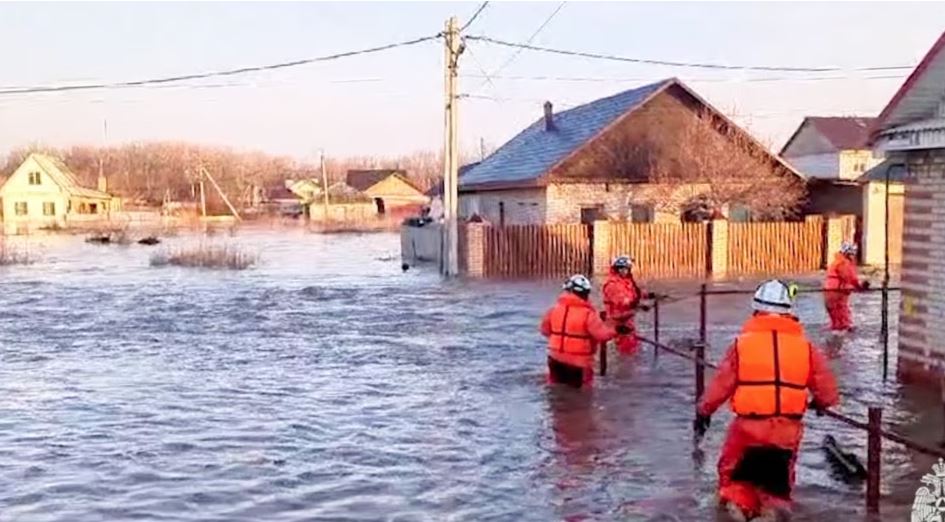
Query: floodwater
327, 385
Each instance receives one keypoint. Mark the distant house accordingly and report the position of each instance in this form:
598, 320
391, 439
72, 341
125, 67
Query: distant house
911, 131
549, 172
390, 189
44, 193
345, 204
873, 242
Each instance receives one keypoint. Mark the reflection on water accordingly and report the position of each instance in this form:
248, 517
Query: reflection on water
327, 385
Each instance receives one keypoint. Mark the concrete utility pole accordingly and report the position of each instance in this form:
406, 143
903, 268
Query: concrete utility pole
449, 266
324, 186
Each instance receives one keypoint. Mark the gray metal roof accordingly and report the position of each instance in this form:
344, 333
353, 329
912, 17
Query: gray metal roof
535, 150
897, 172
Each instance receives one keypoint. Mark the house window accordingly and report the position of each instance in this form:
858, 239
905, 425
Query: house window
501, 213
49, 208
93, 208
34, 178
20, 208
640, 213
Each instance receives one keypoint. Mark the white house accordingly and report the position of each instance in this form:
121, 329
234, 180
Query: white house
911, 131
43, 193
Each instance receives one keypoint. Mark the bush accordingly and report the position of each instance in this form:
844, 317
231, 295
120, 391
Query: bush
11, 255
222, 257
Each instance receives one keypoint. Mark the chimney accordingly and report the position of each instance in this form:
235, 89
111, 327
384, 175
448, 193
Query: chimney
549, 117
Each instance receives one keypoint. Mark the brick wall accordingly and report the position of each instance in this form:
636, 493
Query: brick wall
922, 313
522, 207
566, 200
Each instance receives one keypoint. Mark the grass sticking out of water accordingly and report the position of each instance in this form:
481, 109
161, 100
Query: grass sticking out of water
219, 257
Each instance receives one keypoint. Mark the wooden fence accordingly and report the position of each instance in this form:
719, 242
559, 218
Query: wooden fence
536, 250
671, 250
663, 250
775, 248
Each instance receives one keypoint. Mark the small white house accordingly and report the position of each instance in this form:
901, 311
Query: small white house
43, 193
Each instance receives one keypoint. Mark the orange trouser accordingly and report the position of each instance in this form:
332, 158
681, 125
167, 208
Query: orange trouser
746, 437
838, 308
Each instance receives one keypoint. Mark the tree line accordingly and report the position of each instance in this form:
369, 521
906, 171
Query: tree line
144, 173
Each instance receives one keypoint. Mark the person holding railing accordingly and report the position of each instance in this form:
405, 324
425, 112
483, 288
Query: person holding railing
622, 299
767, 374
574, 330
841, 281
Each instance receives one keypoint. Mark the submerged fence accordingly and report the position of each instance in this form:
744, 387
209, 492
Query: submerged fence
873, 424
661, 250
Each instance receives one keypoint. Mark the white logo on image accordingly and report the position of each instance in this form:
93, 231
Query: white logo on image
929, 505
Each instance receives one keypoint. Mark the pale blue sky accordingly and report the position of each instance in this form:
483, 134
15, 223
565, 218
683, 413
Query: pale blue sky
395, 104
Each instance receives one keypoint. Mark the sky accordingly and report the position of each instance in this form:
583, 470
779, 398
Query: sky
391, 102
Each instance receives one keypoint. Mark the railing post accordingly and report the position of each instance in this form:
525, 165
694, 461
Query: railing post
874, 442
702, 313
700, 369
656, 329
603, 359
885, 329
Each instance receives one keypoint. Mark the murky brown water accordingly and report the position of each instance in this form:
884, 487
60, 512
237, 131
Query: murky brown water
327, 385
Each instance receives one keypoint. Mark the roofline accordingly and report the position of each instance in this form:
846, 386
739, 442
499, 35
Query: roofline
662, 88
904, 88
794, 135
505, 185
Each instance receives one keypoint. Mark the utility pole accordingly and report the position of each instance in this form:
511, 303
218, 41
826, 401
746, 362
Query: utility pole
203, 194
324, 187
450, 259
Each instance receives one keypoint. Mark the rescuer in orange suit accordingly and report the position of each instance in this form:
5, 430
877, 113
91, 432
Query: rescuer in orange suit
622, 298
840, 282
574, 330
767, 375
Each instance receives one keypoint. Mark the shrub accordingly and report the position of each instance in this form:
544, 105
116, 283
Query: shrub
12, 255
222, 257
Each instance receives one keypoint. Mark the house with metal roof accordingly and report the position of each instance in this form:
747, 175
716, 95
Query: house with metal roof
44, 193
389, 188
557, 170
831, 147
910, 132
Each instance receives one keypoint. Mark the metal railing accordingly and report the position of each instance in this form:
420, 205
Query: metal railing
872, 426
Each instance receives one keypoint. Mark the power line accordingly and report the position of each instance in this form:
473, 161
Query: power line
610, 57
474, 16
215, 74
691, 80
529, 40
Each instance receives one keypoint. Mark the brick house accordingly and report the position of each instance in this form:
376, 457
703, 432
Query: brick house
547, 174
911, 131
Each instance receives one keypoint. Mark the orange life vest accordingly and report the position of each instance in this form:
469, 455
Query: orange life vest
773, 368
570, 340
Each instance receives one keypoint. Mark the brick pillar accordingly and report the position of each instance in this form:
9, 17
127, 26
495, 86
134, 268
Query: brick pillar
719, 248
601, 248
475, 250
834, 237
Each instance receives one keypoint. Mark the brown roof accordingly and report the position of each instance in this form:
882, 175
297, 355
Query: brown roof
845, 133
365, 179
889, 118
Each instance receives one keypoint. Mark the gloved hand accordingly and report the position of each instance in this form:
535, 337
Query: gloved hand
603, 315
623, 329
818, 409
643, 308
701, 425
650, 295
865, 284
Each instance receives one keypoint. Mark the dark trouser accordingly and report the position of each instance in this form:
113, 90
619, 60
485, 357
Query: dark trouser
562, 373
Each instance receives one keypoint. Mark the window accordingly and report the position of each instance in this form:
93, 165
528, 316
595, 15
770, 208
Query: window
93, 208
49, 208
35, 179
501, 213
20, 208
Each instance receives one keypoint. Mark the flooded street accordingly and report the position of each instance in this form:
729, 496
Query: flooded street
325, 384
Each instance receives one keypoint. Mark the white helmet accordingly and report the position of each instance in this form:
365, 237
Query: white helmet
848, 248
622, 262
774, 297
578, 283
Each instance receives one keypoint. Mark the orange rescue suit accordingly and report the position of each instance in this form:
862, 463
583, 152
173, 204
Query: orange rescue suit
767, 374
574, 329
840, 282
621, 299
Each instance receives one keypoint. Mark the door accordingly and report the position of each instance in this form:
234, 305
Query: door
588, 216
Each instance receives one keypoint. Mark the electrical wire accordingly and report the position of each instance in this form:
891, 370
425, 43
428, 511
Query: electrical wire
529, 40
474, 16
692, 80
215, 74
610, 57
